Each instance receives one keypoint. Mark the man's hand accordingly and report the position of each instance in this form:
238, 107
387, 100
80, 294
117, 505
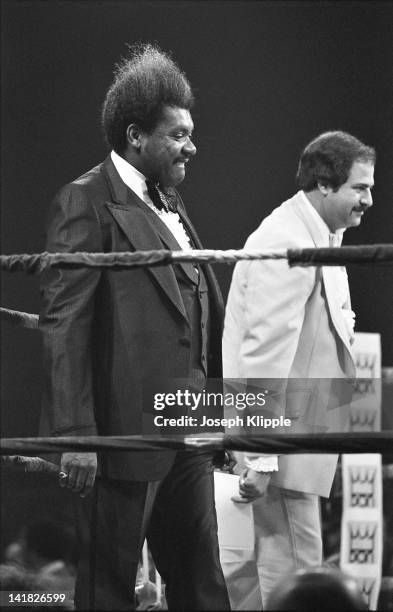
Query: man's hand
78, 472
252, 485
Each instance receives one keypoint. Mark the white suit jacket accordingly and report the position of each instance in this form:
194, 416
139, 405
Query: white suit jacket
288, 324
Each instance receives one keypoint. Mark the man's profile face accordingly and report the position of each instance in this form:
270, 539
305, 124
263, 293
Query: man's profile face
165, 152
346, 206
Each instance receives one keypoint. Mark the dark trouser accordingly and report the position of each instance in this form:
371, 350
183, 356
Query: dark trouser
177, 515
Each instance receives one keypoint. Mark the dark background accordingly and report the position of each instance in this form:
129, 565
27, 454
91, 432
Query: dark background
269, 76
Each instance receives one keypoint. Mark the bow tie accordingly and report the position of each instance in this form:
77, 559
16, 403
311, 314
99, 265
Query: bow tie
161, 200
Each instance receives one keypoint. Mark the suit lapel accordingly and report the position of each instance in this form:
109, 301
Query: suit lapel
330, 282
189, 227
328, 274
129, 212
214, 288
171, 243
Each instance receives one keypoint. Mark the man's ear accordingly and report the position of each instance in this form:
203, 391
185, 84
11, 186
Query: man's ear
324, 188
133, 135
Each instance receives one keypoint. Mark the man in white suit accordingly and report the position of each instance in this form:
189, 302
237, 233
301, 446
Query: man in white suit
295, 327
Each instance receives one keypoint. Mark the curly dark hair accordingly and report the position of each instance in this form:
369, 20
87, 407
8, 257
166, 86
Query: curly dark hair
328, 160
144, 84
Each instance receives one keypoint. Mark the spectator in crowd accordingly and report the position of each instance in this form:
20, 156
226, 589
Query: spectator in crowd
322, 589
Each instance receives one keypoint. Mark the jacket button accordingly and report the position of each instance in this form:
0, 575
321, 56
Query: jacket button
185, 342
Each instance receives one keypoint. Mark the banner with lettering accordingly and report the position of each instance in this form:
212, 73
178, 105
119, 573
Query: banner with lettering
362, 520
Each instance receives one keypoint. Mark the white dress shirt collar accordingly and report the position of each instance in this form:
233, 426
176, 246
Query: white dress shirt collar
134, 179
329, 238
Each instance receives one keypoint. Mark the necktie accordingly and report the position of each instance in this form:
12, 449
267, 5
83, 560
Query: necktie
335, 239
158, 198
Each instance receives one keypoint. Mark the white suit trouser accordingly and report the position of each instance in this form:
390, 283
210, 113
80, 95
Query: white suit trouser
287, 537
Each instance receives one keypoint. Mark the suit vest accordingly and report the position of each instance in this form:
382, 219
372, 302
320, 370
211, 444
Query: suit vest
195, 298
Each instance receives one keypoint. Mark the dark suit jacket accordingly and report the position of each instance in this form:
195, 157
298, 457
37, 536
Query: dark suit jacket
106, 332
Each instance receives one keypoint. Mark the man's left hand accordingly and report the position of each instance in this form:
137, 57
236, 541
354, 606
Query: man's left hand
78, 472
252, 485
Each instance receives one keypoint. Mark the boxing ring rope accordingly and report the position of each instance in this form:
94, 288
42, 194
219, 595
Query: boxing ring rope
351, 442
36, 263
19, 319
38, 464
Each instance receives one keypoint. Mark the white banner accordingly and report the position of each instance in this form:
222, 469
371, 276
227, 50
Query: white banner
362, 520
